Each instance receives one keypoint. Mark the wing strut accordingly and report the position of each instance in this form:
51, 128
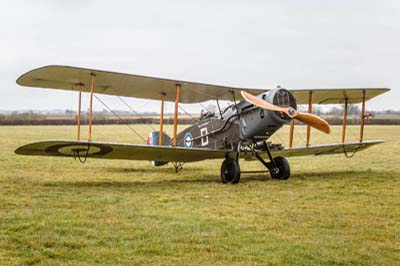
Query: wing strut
362, 118
161, 119
178, 86
310, 101
291, 133
344, 120
79, 113
92, 75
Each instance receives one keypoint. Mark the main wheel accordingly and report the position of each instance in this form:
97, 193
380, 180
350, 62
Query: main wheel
283, 172
230, 171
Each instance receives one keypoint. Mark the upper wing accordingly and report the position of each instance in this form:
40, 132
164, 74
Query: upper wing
71, 78
336, 96
82, 149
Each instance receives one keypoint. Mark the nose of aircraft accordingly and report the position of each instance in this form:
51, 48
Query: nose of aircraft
284, 105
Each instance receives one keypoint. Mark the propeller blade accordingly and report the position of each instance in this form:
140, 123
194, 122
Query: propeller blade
313, 121
309, 119
263, 104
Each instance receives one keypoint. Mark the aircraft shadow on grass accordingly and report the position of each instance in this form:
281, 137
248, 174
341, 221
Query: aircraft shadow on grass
205, 179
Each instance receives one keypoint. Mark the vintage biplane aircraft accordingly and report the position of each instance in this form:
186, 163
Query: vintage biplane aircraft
239, 131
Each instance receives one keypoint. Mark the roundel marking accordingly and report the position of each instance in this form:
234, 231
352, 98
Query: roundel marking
188, 140
72, 149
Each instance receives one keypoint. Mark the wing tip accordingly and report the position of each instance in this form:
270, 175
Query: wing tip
22, 78
21, 150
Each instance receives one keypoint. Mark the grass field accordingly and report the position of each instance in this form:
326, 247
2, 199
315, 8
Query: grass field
332, 211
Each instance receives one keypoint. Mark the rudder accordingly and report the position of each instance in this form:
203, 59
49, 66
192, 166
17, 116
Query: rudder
153, 139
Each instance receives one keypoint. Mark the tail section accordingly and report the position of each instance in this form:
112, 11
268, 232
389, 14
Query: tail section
154, 139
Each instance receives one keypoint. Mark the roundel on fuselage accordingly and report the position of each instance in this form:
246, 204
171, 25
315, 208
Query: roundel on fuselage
188, 140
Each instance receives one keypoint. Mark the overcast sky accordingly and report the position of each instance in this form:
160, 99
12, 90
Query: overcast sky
295, 44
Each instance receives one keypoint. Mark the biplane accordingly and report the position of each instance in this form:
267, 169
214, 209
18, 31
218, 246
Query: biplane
239, 131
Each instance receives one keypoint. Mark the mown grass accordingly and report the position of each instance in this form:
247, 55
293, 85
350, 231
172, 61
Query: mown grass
332, 211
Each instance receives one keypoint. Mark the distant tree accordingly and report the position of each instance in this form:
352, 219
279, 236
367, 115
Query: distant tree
391, 112
353, 109
317, 110
336, 111
69, 112
302, 108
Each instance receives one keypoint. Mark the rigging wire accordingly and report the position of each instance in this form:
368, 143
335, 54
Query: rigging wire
202, 105
355, 133
78, 155
301, 136
346, 153
124, 102
133, 130
191, 117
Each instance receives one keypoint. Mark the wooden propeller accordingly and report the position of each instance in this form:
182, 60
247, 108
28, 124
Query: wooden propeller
309, 119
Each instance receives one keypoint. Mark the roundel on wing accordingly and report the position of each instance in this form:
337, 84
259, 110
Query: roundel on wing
188, 140
76, 149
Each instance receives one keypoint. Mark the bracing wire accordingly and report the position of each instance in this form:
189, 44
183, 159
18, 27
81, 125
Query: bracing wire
346, 154
78, 155
300, 136
191, 117
131, 128
279, 138
202, 105
124, 102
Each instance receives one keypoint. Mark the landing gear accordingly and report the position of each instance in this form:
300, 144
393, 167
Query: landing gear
278, 167
230, 171
282, 170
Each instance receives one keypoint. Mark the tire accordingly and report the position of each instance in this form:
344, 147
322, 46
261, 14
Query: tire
284, 169
230, 171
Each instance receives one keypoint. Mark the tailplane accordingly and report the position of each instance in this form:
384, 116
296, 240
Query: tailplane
154, 139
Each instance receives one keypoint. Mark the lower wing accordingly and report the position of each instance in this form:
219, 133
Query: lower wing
105, 150
324, 149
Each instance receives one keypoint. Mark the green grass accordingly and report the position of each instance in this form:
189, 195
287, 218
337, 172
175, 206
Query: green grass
332, 211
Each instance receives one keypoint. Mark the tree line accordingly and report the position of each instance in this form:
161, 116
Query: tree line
333, 115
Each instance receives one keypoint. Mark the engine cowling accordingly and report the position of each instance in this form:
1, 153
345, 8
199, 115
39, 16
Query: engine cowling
260, 124
282, 98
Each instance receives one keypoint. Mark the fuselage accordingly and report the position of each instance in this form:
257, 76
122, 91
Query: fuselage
239, 123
